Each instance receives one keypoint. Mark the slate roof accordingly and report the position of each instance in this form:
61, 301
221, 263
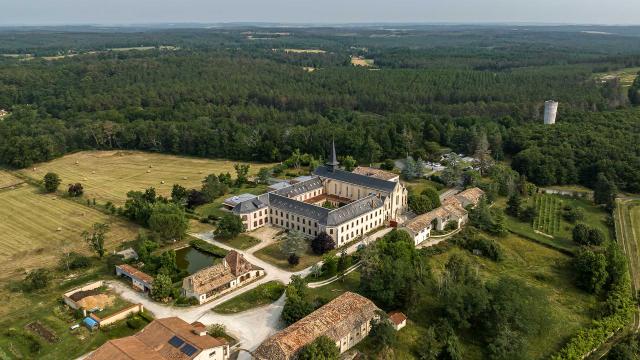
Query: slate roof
152, 343
237, 199
356, 179
336, 319
298, 207
248, 206
302, 187
353, 210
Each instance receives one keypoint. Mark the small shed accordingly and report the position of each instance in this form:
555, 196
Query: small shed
398, 320
90, 323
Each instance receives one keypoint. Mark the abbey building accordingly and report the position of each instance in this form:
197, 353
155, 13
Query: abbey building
343, 204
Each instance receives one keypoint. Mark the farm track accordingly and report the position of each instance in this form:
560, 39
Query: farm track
627, 236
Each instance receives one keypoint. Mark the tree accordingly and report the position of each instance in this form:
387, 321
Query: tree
213, 187
161, 289
51, 182
344, 261
349, 163
242, 171
330, 264
433, 195
293, 259
409, 170
168, 221
382, 333
419, 172
95, 238
591, 270
580, 234
528, 214
428, 347
420, 204
179, 194
604, 191
195, 198
514, 204
294, 243
388, 165
263, 176
37, 279
229, 226
483, 154
595, 237
296, 306
392, 271
75, 190
322, 243
322, 348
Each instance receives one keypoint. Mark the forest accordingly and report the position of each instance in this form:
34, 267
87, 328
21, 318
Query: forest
235, 93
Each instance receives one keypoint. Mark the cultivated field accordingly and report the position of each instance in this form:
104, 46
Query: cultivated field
627, 219
7, 180
109, 175
36, 228
358, 61
305, 51
625, 76
549, 212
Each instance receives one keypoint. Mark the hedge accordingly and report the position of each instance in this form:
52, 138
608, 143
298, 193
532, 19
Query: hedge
208, 248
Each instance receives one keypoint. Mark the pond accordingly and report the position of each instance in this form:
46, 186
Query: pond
193, 260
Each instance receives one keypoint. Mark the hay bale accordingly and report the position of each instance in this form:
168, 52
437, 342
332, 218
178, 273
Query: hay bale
59, 229
34, 169
148, 171
85, 179
150, 166
162, 182
93, 172
184, 178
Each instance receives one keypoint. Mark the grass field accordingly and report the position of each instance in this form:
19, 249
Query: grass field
109, 175
273, 255
305, 51
7, 180
357, 61
627, 216
551, 222
215, 207
241, 242
626, 76
264, 294
35, 228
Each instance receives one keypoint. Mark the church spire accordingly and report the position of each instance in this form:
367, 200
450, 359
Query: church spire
333, 164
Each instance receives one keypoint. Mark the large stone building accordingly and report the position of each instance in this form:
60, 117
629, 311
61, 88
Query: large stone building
453, 209
346, 320
165, 339
343, 204
209, 283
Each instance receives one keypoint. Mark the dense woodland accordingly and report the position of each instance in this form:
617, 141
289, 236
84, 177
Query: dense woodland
222, 94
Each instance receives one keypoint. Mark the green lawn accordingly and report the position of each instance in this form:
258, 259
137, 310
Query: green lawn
262, 295
241, 242
273, 255
350, 282
417, 186
550, 220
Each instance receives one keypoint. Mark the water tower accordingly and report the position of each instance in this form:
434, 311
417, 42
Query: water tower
550, 112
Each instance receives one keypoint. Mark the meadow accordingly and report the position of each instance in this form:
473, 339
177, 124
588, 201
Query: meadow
7, 180
109, 175
36, 228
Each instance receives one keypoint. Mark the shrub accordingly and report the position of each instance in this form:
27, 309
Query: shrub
208, 248
293, 259
217, 330
135, 323
322, 243
36, 280
580, 234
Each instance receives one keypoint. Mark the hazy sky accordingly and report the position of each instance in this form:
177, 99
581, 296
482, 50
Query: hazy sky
38, 12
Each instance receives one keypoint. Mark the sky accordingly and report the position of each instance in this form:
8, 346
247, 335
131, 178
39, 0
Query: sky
72, 12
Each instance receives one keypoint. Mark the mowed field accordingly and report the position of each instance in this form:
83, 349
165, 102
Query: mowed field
109, 175
7, 180
35, 229
627, 221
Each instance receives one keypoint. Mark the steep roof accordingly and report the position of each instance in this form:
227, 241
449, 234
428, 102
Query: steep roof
212, 277
248, 206
153, 343
353, 210
356, 179
301, 187
237, 199
465, 198
335, 320
397, 317
375, 173
423, 221
298, 207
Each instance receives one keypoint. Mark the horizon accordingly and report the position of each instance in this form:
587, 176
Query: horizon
329, 12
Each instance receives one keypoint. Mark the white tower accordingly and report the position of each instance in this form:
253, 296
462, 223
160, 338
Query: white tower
550, 112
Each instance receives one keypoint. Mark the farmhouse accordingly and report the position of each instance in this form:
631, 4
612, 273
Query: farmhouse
452, 210
139, 279
398, 320
165, 339
343, 204
207, 284
345, 320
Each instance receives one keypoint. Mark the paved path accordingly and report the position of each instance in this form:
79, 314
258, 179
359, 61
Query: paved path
250, 327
